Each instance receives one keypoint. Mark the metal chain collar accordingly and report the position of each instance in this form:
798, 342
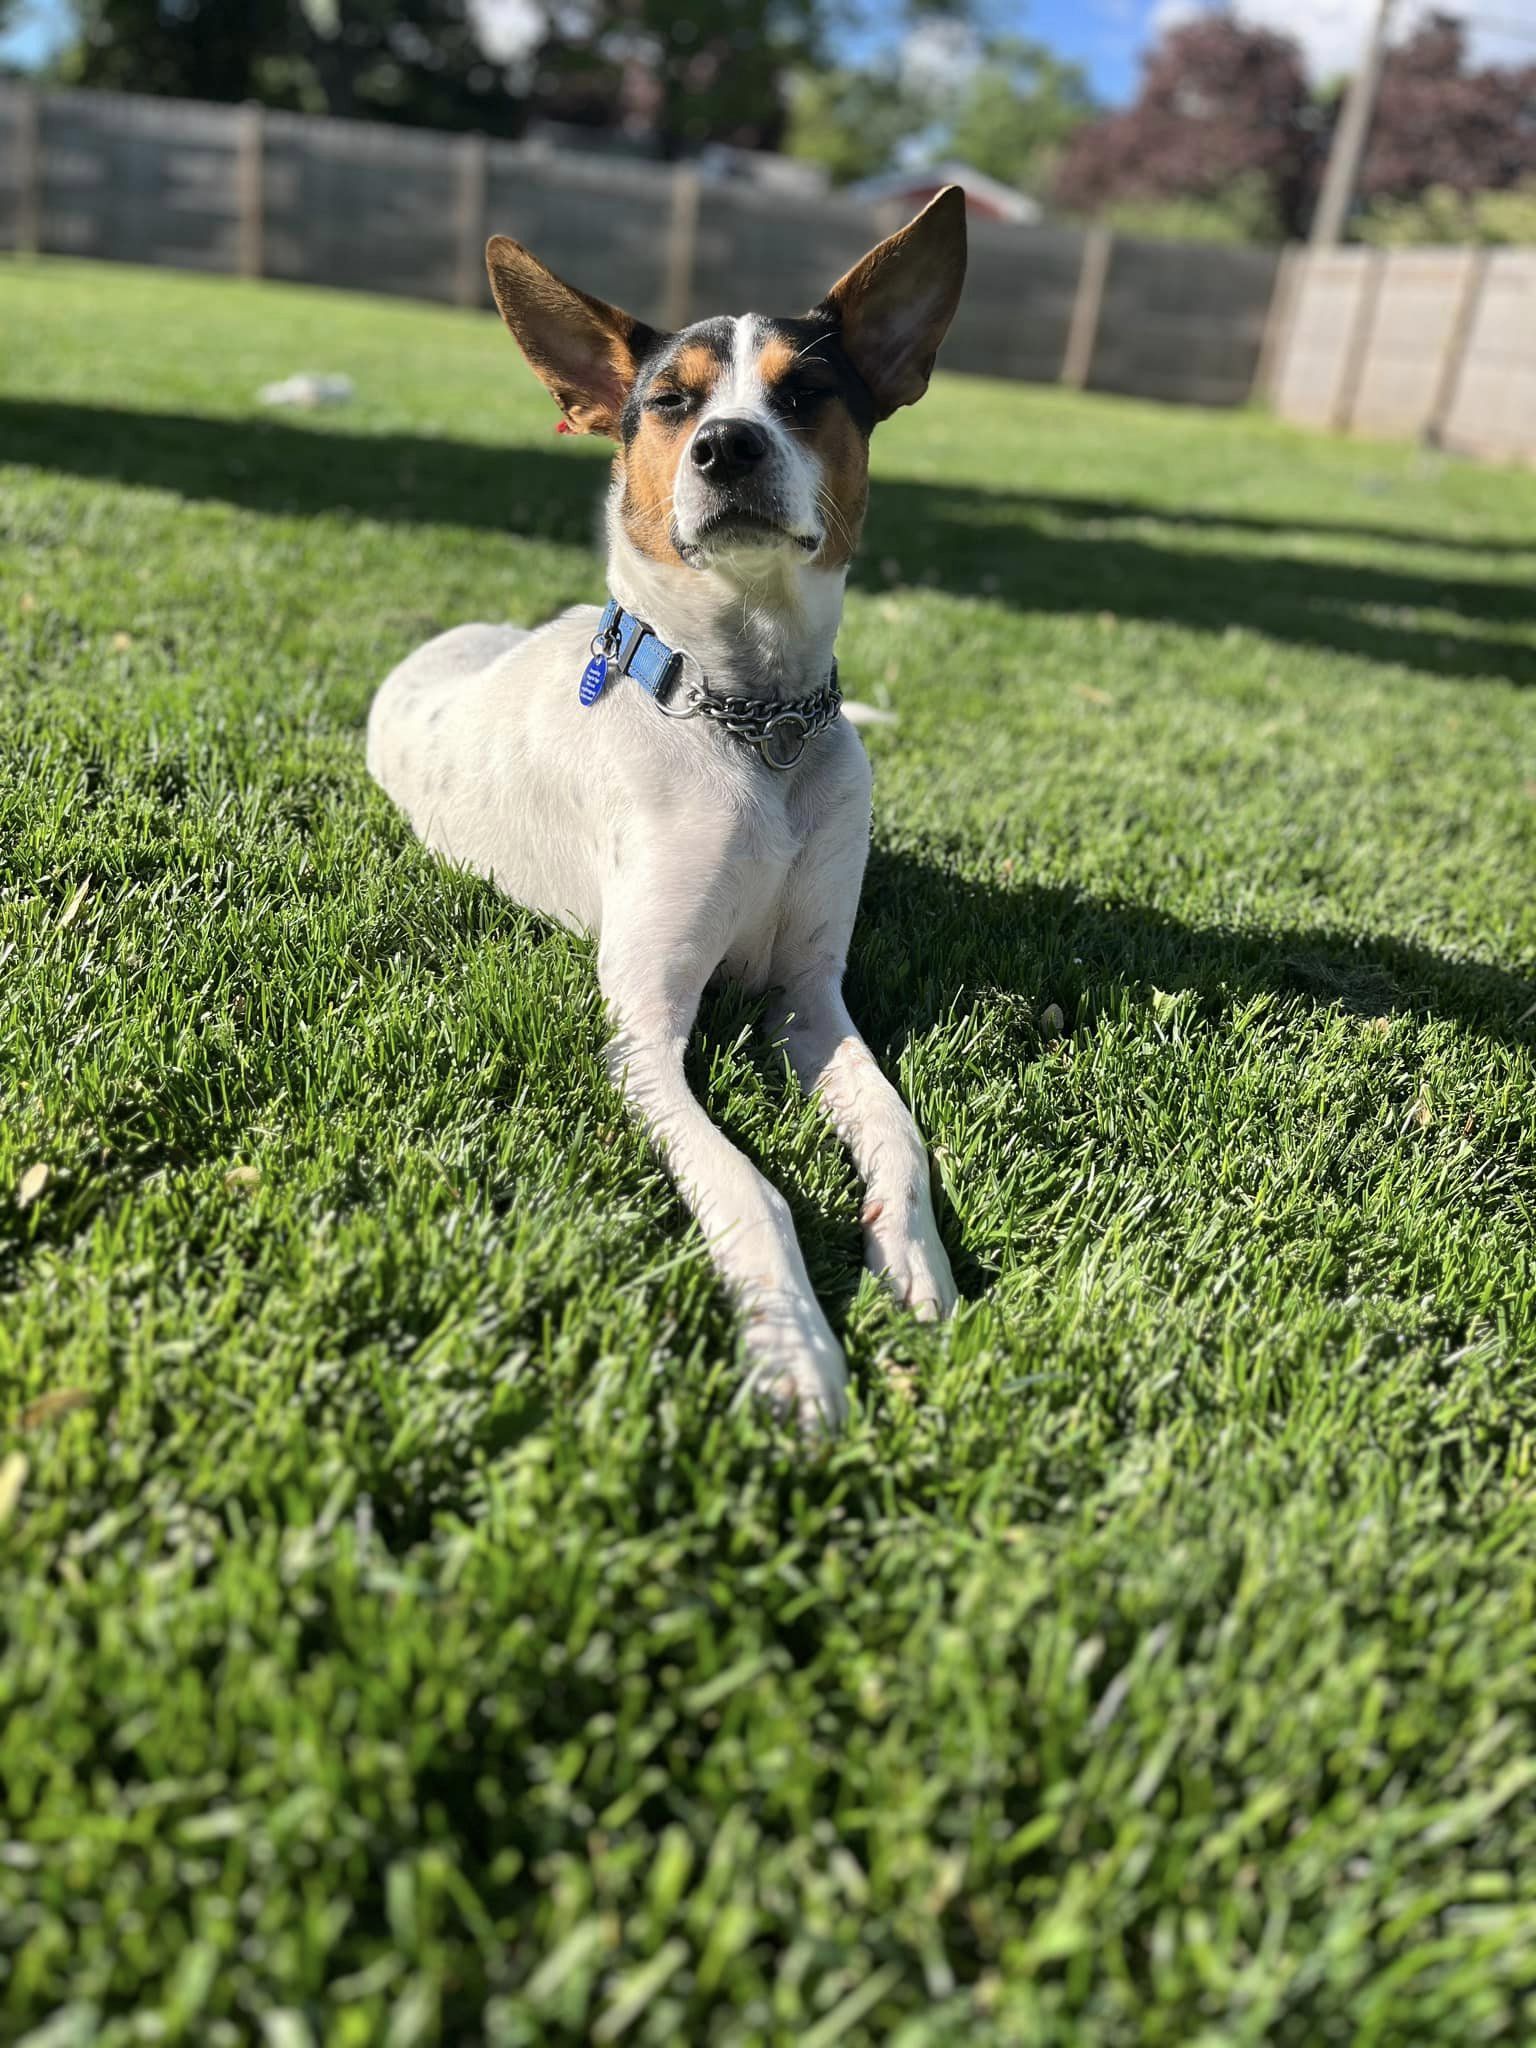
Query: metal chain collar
780, 732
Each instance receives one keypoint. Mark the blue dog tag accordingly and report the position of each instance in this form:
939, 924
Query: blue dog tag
593, 677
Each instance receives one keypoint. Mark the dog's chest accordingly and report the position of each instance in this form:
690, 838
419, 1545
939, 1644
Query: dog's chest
748, 956
739, 855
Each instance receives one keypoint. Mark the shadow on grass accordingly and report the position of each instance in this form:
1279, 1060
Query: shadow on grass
1008, 547
931, 943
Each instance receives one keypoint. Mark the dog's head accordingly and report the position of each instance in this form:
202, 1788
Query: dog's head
745, 437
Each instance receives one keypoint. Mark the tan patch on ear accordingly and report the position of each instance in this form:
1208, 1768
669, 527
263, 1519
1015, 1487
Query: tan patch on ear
649, 467
581, 349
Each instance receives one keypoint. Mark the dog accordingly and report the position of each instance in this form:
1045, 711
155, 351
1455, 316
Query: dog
672, 773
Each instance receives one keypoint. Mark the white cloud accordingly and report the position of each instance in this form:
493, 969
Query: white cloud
508, 29
939, 56
1172, 14
1332, 32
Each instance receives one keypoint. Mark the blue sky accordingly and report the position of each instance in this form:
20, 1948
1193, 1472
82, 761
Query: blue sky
1107, 37
1104, 36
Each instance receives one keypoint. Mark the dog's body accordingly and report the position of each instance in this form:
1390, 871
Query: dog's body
680, 847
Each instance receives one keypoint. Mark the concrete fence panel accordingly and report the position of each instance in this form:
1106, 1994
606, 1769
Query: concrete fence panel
1491, 411
1432, 344
1328, 303
1413, 328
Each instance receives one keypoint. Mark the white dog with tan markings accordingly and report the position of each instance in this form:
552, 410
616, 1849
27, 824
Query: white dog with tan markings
673, 773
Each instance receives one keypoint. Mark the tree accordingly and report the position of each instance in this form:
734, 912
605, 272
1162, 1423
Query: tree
1442, 214
680, 72
1021, 108
1009, 112
1438, 124
672, 73
850, 122
416, 61
1223, 111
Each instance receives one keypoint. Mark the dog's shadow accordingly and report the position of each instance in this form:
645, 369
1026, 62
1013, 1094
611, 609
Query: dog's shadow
934, 947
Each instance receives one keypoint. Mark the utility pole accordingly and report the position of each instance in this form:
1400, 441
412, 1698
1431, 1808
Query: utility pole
1351, 136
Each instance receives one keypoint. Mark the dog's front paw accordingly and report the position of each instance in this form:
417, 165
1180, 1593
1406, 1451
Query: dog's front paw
911, 1263
795, 1365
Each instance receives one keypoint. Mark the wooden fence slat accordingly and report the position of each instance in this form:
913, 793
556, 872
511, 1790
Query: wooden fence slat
469, 275
682, 245
1448, 381
29, 172
1083, 333
1278, 323
1358, 349
250, 196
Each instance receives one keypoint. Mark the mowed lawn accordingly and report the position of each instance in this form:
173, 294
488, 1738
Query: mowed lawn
401, 1640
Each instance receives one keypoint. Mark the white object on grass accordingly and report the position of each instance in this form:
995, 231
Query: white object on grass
308, 389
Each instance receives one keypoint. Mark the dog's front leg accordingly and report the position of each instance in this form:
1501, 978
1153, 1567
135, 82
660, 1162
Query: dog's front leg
808, 1015
901, 1233
652, 982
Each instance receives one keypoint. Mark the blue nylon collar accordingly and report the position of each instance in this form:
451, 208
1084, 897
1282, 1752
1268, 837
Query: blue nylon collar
635, 651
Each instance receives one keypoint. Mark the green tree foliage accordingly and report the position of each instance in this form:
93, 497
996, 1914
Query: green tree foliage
672, 74
1442, 215
850, 122
1221, 136
417, 61
1018, 112
685, 72
1244, 212
1010, 114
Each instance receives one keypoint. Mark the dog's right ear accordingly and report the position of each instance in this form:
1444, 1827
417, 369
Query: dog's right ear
895, 305
583, 351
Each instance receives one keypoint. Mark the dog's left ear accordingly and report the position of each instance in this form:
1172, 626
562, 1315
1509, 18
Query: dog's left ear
584, 351
895, 305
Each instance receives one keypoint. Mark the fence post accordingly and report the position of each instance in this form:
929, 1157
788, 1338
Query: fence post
250, 138
469, 277
681, 246
29, 172
1457, 347
1275, 346
1357, 347
1087, 304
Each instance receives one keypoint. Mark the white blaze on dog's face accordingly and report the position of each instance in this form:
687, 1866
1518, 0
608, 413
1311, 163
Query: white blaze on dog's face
745, 438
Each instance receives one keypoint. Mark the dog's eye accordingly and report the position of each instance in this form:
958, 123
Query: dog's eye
668, 402
800, 395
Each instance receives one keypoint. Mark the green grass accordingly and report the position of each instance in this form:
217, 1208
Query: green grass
400, 1640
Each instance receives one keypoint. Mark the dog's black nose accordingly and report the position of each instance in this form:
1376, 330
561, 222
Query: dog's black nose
724, 451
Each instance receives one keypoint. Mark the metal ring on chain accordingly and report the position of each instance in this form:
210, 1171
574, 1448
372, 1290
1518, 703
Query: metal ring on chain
780, 732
